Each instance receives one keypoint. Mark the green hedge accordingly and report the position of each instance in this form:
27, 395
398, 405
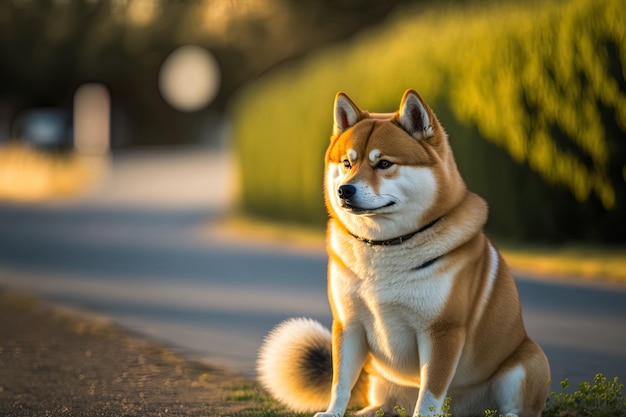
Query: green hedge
533, 96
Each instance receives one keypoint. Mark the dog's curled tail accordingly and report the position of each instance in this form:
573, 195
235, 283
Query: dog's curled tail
295, 364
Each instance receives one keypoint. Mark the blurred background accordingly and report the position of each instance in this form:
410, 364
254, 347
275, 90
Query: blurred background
189, 114
533, 95
51, 48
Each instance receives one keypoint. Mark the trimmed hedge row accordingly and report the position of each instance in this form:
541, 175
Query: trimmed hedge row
532, 95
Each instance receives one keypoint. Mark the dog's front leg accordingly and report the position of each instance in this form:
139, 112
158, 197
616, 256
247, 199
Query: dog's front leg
439, 352
349, 353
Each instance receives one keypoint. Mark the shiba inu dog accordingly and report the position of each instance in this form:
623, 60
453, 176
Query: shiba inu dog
424, 307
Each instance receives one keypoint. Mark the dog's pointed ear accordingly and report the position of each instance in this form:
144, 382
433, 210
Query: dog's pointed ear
346, 114
415, 116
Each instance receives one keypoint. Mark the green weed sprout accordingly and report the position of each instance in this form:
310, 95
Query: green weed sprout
603, 398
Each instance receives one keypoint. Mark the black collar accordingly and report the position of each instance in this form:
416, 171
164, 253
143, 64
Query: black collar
427, 263
395, 240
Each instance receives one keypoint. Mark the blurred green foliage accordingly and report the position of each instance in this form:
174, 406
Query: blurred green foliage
533, 96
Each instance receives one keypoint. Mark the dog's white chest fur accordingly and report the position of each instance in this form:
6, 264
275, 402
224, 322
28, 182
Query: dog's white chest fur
394, 300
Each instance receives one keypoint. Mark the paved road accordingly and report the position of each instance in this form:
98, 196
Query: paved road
142, 249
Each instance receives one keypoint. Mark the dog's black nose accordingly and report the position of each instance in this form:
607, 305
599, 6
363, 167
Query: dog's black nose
346, 191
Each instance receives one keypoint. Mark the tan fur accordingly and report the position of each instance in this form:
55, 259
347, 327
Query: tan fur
435, 315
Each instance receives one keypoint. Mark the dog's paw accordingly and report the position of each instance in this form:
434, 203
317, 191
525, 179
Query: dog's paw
326, 415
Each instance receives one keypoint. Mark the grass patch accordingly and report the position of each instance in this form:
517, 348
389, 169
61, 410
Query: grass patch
30, 175
246, 392
264, 405
600, 398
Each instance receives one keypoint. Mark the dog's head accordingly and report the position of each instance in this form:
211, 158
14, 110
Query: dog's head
389, 174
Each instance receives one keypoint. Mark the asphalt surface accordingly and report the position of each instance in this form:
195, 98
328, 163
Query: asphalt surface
54, 362
146, 249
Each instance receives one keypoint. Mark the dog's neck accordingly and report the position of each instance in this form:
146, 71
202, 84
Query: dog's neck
396, 240
452, 229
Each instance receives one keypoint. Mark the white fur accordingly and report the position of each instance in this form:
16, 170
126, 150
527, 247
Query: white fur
413, 191
493, 273
337, 286
353, 350
387, 308
375, 155
386, 312
352, 155
508, 390
429, 405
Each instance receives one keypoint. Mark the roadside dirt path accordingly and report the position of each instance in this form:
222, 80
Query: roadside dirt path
55, 363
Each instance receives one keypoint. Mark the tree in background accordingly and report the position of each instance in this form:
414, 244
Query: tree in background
49, 47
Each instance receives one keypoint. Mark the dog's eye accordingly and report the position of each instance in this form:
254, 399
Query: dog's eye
384, 164
347, 164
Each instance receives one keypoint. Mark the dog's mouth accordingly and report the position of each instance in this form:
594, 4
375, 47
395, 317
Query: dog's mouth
362, 210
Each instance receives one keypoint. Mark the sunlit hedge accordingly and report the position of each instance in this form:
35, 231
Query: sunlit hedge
532, 92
